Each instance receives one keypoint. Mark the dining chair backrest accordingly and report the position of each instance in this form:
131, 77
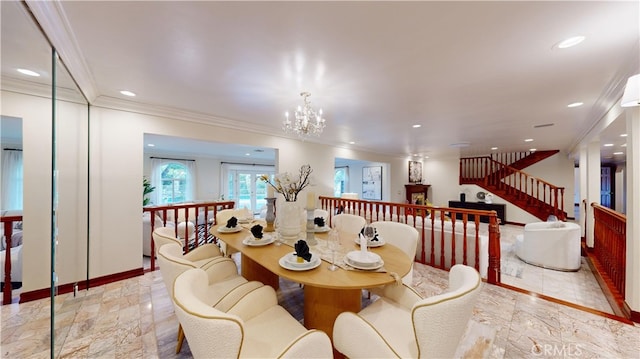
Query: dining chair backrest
200, 320
172, 264
348, 223
440, 321
164, 235
402, 236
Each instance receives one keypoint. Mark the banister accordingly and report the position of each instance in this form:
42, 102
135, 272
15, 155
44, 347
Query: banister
421, 215
609, 246
215, 206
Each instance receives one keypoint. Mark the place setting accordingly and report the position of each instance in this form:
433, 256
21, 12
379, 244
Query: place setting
258, 238
302, 259
373, 241
361, 259
319, 225
231, 226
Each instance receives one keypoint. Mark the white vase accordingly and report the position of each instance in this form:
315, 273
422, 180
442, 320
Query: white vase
288, 220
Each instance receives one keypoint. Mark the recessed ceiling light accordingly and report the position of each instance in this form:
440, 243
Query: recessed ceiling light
623, 145
533, 149
28, 72
352, 143
425, 157
618, 153
608, 145
416, 155
623, 135
247, 154
460, 144
494, 148
416, 126
529, 140
127, 93
151, 145
572, 41
575, 104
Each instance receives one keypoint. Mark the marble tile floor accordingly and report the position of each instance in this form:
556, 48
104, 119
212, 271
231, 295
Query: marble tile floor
134, 318
578, 287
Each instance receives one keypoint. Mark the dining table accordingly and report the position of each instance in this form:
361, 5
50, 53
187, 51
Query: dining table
327, 293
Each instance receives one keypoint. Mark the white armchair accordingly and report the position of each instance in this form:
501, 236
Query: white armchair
553, 245
402, 236
255, 327
223, 288
400, 324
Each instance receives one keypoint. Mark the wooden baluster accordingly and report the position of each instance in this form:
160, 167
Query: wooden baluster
6, 293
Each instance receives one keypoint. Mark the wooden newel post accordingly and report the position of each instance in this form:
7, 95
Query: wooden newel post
6, 295
493, 272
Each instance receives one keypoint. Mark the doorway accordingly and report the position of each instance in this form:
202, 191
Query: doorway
244, 186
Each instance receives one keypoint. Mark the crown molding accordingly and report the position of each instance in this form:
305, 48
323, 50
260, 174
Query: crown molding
607, 107
43, 90
54, 23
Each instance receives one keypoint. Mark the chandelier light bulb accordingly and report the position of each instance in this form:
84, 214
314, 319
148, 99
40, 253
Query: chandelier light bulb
306, 121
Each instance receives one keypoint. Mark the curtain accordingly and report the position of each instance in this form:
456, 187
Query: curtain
190, 183
11, 180
156, 180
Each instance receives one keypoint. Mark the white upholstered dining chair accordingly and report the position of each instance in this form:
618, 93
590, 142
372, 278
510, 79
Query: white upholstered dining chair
223, 288
165, 235
401, 324
402, 236
348, 223
255, 327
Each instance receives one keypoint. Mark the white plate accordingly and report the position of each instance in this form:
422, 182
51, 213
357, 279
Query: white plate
224, 229
285, 264
244, 220
379, 243
292, 260
369, 259
322, 229
266, 239
369, 267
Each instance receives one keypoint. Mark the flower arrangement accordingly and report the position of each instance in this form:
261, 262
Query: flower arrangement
288, 184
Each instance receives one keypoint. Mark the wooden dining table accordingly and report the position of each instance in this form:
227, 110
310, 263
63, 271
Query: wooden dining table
326, 293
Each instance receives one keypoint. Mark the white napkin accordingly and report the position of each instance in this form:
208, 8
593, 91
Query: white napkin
363, 244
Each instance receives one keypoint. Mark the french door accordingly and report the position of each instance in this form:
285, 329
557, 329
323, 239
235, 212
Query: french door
245, 187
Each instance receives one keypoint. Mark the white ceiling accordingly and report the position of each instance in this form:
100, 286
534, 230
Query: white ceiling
479, 72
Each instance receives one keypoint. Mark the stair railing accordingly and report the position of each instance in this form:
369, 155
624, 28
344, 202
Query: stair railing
8, 224
523, 186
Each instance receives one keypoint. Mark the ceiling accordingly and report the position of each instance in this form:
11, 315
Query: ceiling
482, 74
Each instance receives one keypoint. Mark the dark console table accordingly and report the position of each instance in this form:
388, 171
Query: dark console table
500, 209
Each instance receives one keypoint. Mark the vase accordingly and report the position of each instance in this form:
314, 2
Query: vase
288, 220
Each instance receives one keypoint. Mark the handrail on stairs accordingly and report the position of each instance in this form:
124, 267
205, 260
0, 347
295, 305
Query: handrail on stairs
483, 170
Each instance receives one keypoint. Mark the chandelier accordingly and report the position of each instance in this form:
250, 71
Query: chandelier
306, 121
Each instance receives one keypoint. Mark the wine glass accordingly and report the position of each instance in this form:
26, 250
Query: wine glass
333, 242
369, 232
278, 240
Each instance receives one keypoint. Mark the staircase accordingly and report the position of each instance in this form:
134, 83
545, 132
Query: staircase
531, 194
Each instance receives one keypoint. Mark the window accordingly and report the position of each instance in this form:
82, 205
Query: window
243, 185
340, 181
174, 182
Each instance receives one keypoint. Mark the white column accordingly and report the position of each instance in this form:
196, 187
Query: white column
593, 185
632, 287
582, 164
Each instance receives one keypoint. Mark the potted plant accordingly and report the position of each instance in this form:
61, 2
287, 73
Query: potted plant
147, 188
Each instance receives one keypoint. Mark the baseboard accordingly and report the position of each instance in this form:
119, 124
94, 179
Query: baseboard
631, 314
69, 287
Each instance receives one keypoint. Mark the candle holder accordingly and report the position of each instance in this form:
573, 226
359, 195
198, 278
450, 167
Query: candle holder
311, 234
271, 215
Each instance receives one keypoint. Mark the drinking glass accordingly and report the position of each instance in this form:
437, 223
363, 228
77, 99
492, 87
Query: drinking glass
369, 232
333, 242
